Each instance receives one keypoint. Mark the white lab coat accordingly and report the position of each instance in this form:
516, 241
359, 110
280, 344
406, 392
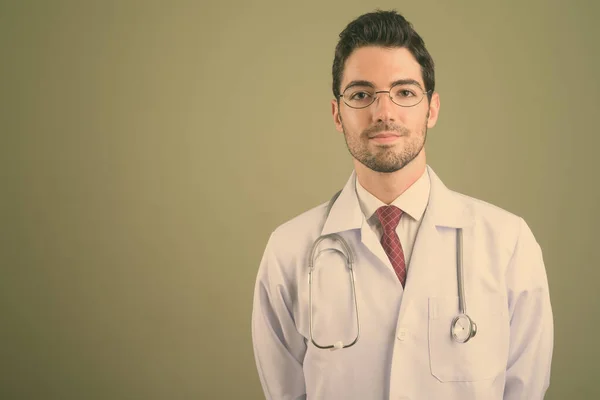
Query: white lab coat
405, 350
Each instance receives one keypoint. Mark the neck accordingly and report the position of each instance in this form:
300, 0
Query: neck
388, 186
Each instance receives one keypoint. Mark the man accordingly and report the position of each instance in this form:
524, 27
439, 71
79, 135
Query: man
420, 254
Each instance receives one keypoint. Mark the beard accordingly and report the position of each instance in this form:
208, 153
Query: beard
387, 158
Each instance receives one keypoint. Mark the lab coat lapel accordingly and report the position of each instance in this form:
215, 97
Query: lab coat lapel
369, 239
346, 214
444, 209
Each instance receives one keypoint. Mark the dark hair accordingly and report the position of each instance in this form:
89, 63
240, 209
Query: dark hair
386, 29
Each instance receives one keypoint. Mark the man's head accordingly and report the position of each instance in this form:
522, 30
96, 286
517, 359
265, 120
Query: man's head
380, 52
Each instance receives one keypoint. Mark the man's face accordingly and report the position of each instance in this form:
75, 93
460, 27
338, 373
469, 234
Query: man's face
408, 125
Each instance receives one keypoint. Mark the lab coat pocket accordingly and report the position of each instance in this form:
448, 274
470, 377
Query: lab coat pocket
485, 355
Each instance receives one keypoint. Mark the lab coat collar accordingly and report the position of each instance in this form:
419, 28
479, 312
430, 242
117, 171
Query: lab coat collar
444, 207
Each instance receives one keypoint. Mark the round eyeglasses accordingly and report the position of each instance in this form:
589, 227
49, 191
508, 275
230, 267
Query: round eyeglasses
403, 94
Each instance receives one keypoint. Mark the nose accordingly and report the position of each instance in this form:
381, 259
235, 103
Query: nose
383, 107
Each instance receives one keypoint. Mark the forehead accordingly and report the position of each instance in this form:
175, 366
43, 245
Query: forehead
381, 66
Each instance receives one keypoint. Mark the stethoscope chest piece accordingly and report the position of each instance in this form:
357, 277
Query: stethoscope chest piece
463, 328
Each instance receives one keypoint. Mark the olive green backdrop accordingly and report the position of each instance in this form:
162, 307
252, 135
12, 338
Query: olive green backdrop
148, 149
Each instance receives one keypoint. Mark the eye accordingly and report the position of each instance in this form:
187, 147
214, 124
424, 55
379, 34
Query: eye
405, 93
361, 95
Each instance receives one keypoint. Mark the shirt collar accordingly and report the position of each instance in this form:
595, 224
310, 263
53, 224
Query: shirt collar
412, 202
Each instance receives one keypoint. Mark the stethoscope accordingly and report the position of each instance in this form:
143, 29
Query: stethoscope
462, 328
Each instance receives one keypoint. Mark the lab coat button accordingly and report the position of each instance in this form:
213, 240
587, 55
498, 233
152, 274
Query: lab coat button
402, 334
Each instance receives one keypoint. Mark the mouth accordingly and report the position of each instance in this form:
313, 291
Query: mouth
385, 137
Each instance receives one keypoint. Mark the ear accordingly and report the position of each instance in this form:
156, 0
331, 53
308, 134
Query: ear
434, 110
337, 118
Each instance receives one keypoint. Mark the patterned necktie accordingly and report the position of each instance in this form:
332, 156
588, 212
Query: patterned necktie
389, 216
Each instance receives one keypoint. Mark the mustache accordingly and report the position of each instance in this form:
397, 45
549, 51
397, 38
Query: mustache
385, 127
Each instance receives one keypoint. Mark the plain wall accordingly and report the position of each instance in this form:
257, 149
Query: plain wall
148, 149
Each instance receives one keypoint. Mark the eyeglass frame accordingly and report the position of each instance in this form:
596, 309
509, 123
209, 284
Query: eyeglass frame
389, 92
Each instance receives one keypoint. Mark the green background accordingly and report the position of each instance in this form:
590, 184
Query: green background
148, 149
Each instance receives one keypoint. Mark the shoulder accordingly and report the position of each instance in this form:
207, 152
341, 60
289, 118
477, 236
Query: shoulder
289, 241
504, 228
287, 248
488, 218
488, 213
302, 228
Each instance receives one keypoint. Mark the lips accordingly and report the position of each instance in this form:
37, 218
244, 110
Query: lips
384, 135
385, 138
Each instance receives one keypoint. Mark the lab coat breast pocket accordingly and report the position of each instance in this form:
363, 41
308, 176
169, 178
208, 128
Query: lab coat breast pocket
485, 355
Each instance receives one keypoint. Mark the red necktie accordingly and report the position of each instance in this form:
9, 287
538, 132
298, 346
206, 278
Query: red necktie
389, 216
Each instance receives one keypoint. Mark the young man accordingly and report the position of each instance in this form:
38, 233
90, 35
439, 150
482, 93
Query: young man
447, 297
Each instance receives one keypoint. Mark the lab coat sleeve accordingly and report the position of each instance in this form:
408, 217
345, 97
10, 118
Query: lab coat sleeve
278, 347
531, 321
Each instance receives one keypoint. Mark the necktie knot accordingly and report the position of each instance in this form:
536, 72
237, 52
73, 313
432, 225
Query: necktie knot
389, 216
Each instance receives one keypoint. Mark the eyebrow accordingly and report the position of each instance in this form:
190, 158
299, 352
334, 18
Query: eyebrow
396, 82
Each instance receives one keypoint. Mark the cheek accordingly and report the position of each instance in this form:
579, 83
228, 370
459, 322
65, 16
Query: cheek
418, 119
356, 121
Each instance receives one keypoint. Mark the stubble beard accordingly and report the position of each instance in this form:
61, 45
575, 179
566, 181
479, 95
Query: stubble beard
386, 158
